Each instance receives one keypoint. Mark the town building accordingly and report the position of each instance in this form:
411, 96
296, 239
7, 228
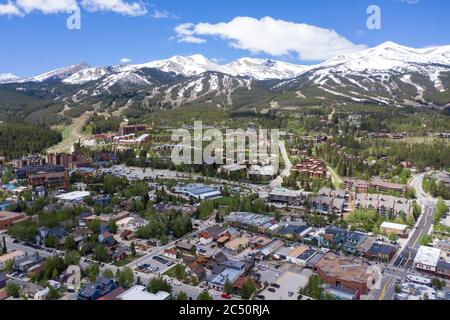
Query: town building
230, 169
212, 233
52, 180
13, 255
31, 161
381, 252
198, 191
427, 259
385, 187
257, 172
339, 293
232, 270
68, 161
73, 197
433, 261
329, 201
129, 129
312, 167
257, 222
285, 196
361, 186
140, 293
347, 272
170, 253
24, 172
390, 207
27, 262
7, 219
238, 244
98, 289
400, 230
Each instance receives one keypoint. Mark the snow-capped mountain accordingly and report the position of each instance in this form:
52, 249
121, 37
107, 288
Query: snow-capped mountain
259, 69
86, 75
60, 74
187, 66
385, 74
262, 69
388, 74
195, 65
8, 77
389, 58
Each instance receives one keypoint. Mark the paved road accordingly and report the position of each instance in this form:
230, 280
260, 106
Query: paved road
278, 181
423, 227
30, 251
400, 266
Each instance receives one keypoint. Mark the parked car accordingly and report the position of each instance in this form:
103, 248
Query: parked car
226, 295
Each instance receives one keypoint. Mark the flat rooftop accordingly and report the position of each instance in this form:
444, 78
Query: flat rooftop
71, 196
249, 218
396, 226
427, 256
285, 192
345, 268
140, 293
4, 215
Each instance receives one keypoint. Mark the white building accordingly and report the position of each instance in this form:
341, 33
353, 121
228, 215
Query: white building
76, 196
140, 293
399, 229
427, 259
42, 295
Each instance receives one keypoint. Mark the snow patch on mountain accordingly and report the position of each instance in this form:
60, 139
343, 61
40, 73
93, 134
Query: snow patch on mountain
60, 74
262, 69
8, 77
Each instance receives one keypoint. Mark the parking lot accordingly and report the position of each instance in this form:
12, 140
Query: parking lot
31, 248
286, 287
156, 264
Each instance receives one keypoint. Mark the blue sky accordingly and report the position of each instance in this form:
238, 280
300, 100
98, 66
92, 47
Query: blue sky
33, 41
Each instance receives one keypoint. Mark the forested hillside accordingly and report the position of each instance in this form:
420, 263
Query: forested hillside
19, 139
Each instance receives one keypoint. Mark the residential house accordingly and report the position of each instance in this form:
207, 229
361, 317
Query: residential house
196, 270
381, 252
95, 290
106, 238
58, 232
170, 253
184, 246
352, 241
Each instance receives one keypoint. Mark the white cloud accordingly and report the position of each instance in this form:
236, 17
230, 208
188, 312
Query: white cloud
22, 7
125, 60
271, 36
9, 9
117, 6
185, 33
45, 6
163, 14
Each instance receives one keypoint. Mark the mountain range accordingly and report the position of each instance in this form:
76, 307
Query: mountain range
389, 74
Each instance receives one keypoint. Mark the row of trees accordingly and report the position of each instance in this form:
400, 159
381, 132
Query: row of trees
436, 189
165, 224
